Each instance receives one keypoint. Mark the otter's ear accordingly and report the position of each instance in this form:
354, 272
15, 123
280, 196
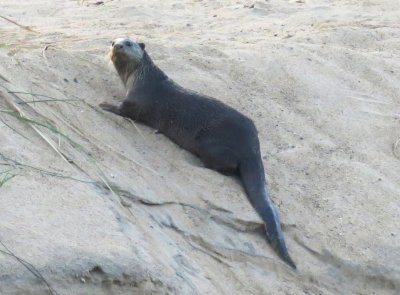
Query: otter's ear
142, 45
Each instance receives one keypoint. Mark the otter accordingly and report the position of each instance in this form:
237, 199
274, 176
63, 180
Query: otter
224, 139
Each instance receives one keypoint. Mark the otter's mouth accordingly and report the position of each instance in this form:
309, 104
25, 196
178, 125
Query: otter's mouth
116, 54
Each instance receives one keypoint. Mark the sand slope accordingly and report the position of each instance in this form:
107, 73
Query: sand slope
100, 205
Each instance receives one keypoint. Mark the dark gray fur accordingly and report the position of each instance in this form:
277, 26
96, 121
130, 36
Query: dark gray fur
224, 139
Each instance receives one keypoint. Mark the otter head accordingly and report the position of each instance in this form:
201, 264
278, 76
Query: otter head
126, 56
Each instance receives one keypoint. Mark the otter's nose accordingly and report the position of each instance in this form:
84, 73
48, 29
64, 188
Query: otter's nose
121, 43
116, 45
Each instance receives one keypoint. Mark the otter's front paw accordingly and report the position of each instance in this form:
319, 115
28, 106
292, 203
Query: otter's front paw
109, 108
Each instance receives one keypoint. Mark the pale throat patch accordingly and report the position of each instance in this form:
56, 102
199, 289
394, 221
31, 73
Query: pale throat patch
134, 54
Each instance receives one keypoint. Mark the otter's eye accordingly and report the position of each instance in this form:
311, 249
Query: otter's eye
127, 43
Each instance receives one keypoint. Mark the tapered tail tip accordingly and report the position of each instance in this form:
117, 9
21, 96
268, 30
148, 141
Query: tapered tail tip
278, 244
290, 262
275, 237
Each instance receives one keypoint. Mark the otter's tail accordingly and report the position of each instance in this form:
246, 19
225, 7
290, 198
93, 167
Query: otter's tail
253, 178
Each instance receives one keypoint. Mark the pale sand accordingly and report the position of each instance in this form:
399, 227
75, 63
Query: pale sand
319, 78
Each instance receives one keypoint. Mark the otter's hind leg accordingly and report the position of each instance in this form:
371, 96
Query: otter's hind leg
219, 158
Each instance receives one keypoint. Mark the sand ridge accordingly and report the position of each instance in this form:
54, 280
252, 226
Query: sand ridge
101, 205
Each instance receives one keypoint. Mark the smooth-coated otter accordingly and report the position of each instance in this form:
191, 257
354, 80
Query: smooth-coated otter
224, 139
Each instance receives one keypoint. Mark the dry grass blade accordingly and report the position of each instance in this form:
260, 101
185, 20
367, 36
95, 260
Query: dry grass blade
7, 177
103, 145
69, 53
17, 24
103, 177
4, 78
19, 114
44, 54
395, 147
37, 94
13, 129
47, 100
16, 164
29, 267
50, 98
49, 142
45, 125
137, 128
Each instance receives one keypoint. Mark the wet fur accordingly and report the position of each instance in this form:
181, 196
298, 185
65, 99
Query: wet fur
224, 139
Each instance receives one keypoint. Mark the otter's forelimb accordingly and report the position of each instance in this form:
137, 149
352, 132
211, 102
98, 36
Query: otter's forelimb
127, 109
110, 108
